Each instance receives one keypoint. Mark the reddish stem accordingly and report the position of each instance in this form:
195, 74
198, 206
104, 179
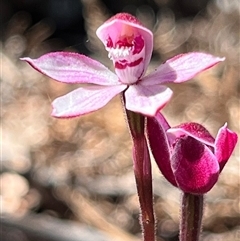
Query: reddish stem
191, 217
143, 174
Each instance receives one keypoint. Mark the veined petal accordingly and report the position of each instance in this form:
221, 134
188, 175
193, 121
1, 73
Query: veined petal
194, 130
147, 100
84, 100
194, 166
225, 143
73, 68
181, 68
160, 148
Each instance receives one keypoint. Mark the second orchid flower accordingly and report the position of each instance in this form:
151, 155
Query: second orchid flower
187, 155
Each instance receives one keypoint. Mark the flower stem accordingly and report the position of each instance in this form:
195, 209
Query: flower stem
191, 217
143, 173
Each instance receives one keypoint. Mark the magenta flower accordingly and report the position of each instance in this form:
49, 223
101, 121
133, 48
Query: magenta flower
130, 48
187, 155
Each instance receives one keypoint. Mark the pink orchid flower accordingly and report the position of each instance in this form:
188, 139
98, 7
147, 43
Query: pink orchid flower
187, 155
130, 46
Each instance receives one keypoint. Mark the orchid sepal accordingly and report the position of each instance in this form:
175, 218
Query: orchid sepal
84, 100
225, 143
160, 147
73, 68
181, 68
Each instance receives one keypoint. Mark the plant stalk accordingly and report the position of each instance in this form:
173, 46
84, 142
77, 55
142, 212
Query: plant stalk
191, 217
143, 173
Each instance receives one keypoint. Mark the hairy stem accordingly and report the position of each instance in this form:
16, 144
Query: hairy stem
191, 217
143, 173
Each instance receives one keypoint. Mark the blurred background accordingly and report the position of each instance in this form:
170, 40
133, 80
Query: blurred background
72, 179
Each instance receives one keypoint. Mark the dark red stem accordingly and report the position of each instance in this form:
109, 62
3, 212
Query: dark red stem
191, 217
143, 173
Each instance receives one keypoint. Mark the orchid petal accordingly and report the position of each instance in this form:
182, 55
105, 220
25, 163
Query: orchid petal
73, 68
194, 130
225, 142
84, 100
194, 166
147, 100
181, 68
160, 149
